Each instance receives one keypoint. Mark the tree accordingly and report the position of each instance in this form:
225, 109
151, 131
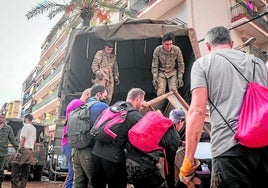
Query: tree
87, 10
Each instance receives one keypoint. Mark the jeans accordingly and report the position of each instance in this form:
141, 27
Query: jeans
67, 151
19, 175
81, 159
109, 173
21, 168
240, 167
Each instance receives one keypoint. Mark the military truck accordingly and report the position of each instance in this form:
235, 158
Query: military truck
135, 41
40, 148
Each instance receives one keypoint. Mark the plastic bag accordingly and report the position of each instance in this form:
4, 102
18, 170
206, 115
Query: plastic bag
253, 121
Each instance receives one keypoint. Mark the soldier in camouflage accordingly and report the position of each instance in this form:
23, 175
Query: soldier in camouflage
167, 66
105, 68
6, 135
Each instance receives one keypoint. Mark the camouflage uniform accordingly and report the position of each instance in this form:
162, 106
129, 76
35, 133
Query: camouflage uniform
167, 67
6, 135
107, 65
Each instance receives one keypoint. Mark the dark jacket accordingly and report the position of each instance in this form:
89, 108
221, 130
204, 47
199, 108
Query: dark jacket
115, 151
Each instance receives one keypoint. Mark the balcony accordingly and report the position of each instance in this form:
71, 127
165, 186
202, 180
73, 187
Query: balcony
152, 9
26, 99
52, 58
28, 84
56, 53
49, 78
253, 50
46, 100
253, 23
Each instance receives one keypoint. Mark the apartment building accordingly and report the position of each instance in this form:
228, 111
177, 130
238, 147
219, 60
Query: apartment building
246, 21
40, 89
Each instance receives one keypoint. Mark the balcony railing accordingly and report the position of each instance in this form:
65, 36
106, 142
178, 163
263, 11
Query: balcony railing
56, 53
27, 99
48, 99
179, 22
257, 52
138, 5
241, 10
49, 78
28, 84
52, 57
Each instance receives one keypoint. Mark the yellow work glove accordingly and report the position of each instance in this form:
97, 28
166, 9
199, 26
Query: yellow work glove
187, 172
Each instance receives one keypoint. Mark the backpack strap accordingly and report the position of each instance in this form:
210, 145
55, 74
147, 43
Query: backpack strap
227, 123
91, 103
123, 105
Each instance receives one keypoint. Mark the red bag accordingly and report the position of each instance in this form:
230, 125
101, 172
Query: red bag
146, 134
253, 121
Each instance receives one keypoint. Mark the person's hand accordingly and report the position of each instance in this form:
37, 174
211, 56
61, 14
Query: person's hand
117, 81
180, 82
187, 173
144, 104
99, 75
155, 82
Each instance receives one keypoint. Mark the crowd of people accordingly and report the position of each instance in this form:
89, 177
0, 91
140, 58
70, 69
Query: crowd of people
120, 163
117, 164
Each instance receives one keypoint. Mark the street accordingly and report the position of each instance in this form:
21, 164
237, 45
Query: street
45, 183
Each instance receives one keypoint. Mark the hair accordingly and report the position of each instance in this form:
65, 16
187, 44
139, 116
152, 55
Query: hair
29, 117
96, 89
109, 44
218, 35
3, 114
134, 93
167, 37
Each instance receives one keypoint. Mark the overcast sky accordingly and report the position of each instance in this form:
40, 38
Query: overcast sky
20, 45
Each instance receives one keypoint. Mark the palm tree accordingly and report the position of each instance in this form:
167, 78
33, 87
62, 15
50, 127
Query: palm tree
87, 10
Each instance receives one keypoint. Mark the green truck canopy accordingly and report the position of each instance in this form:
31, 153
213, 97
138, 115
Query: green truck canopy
135, 41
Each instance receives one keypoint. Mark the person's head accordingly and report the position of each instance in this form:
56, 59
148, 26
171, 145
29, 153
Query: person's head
2, 118
28, 118
167, 41
99, 92
218, 37
108, 47
135, 97
86, 94
177, 116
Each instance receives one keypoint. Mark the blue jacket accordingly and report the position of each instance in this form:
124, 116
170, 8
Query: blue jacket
96, 109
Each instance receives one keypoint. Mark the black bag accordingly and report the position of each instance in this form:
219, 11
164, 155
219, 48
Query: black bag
78, 126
